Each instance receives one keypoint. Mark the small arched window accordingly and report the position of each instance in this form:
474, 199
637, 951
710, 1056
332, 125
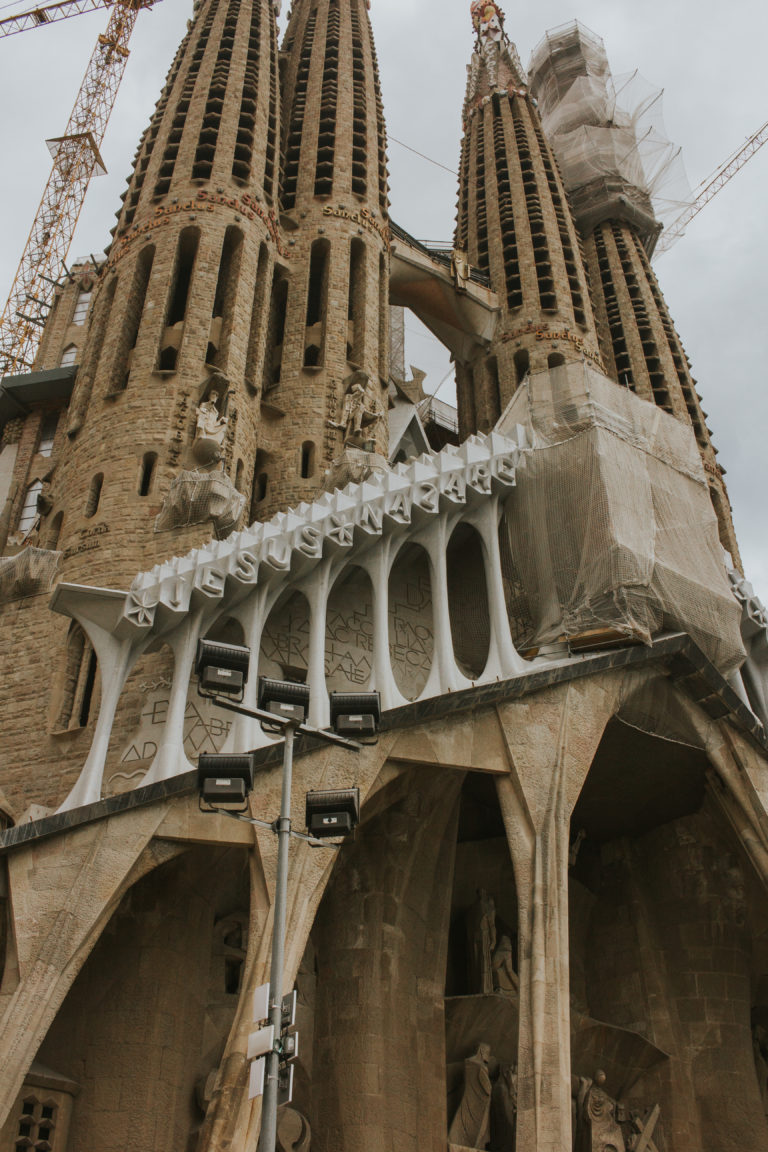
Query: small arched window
555, 360
81, 308
47, 433
68, 356
94, 495
28, 514
79, 681
147, 473
307, 466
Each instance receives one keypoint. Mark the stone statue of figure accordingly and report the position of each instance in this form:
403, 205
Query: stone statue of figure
597, 1129
360, 412
470, 1126
504, 1110
760, 1050
505, 978
211, 425
481, 926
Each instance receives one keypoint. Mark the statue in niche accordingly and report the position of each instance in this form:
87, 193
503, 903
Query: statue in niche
596, 1128
760, 1050
504, 1110
210, 429
481, 929
361, 411
470, 1126
505, 977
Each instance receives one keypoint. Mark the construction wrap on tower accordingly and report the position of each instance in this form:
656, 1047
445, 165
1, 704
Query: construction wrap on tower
610, 525
608, 136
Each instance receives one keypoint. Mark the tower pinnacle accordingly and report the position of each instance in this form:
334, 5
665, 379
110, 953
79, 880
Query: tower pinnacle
495, 62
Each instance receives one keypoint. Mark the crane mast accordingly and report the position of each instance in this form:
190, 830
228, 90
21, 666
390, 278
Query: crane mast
75, 159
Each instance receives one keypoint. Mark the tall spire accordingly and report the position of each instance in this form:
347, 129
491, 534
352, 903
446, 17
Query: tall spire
327, 358
514, 224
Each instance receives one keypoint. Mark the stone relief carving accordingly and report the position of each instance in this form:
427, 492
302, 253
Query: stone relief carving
505, 977
596, 1128
481, 928
504, 1109
210, 429
470, 1127
361, 411
760, 1051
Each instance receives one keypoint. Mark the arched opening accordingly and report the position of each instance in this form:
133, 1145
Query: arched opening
94, 496
54, 531
147, 473
178, 297
260, 485
356, 309
317, 292
555, 360
468, 601
411, 629
28, 515
169, 954
284, 649
307, 462
134, 310
276, 329
224, 299
522, 363
77, 682
349, 632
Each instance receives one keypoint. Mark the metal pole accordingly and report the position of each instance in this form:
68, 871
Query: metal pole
268, 1137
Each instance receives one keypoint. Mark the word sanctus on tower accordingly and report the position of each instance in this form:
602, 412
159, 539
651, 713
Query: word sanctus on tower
547, 931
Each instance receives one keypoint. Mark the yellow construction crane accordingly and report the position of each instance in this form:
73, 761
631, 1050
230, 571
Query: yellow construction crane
711, 186
75, 159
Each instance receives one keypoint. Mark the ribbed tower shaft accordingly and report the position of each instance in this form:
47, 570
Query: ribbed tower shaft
514, 223
182, 306
329, 329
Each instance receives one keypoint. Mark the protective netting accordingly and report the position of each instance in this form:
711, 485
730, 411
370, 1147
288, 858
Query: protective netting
611, 526
28, 573
608, 134
195, 497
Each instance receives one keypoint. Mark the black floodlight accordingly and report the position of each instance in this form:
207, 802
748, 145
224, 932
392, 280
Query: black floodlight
332, 813
285, 698
224, 781
356, 714
222, 667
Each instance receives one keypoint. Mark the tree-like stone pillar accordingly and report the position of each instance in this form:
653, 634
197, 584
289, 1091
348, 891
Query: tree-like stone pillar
552, 738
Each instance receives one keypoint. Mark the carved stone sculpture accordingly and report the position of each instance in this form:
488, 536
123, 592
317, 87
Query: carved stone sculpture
210, 430
504, 1110
470, 1127
361, 412
481, 927
760, 1050
504, 976
597, 1129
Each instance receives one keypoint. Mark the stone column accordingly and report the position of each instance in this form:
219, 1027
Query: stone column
552, 738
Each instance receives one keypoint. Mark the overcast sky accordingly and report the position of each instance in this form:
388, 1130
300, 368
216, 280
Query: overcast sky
709, 58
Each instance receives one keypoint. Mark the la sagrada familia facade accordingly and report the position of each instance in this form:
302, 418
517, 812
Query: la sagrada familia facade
549, 931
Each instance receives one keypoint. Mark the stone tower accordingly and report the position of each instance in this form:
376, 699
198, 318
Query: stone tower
329, 330
548, 930
597, 149
514, 223
179, 317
